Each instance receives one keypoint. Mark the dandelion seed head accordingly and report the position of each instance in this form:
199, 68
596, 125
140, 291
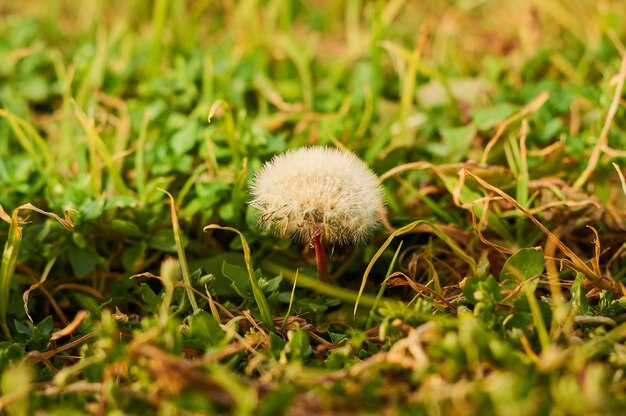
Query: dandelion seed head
318, 189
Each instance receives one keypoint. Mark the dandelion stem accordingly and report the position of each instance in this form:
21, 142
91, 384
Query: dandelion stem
320, 257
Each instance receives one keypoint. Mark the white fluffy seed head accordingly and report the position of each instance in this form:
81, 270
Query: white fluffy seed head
318, 189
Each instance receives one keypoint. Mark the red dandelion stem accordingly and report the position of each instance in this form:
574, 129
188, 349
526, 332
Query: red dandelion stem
320, 257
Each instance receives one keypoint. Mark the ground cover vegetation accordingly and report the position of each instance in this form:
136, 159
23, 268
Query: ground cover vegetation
135, 278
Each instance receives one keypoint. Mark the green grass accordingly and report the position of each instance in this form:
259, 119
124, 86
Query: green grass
496, 286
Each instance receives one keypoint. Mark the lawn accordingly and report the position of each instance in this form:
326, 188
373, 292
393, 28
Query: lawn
140, 273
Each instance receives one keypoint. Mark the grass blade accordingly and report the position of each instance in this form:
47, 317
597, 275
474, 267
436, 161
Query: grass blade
604, 134
621, 177
313, 284
259, 297
407, 229
9, 258
11, 251
98, 148
535, 310
576, 261
383, 286
293, 292
181, 251
140, 174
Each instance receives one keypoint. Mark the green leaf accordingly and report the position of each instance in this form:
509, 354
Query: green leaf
150, 298
298, 347
239, 278
524, 264
88, 302
133, 256
204, 331
126, 228
485, 290
120, 201
269, 287
277, 401
83, 260
9, 353
491, 289
579, 297
16, 382
277, 344
197, 275
486, 118
519, 323
457, 141
22, 329
184, 139
163, 240
35, 337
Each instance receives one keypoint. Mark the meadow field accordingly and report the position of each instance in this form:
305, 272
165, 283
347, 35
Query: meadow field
139, 275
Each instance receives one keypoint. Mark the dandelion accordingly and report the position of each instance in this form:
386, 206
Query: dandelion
318, 195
